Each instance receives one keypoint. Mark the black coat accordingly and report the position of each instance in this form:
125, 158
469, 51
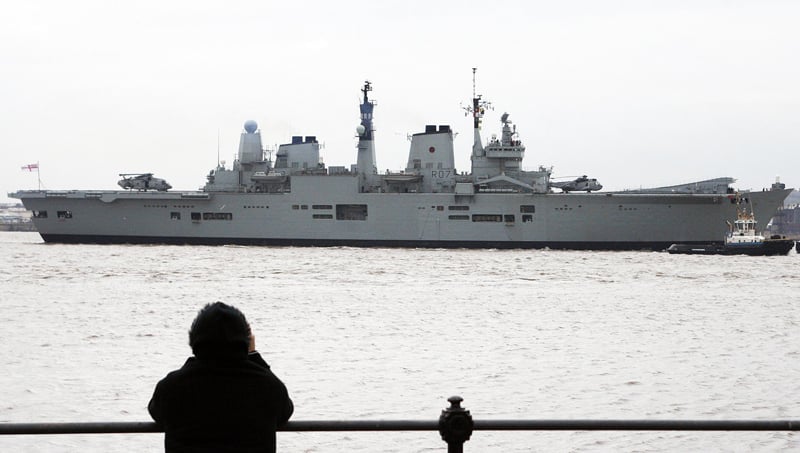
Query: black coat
221, 405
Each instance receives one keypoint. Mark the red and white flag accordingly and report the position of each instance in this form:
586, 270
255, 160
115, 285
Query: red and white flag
31, 167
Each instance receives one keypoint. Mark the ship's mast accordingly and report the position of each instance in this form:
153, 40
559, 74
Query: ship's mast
367, 107
477, 109
366, 165
476, 99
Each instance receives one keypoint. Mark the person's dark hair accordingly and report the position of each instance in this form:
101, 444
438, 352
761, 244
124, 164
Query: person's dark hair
219, 330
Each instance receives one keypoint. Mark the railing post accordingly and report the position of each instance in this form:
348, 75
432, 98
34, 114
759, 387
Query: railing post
455, 425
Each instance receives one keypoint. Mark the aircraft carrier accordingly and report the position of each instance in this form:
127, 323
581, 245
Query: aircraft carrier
298, 201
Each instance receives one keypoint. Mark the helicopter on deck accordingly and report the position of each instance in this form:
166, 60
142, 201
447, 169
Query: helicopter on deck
143, 182
581, 183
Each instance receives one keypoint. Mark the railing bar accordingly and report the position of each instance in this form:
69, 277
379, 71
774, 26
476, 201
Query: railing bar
79, 428
637, 425
360, 425
423, 425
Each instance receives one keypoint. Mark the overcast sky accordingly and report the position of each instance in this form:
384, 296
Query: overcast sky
633, 93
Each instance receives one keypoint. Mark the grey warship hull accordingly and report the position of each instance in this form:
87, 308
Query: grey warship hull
337, 215
297, 201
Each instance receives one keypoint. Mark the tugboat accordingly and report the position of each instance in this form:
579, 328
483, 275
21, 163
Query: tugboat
741, 239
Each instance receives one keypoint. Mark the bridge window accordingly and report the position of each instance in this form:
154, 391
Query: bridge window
351, 212
509, 218
527, 208
458, 217
217, 216
487, 218
321, 206
527, 218
40, 214
458, 208
322, 216
196, 216
175, 215
64, 214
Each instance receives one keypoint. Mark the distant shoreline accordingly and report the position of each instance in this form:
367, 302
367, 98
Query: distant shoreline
18, 226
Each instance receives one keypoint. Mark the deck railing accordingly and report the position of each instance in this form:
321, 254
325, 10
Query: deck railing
455, 425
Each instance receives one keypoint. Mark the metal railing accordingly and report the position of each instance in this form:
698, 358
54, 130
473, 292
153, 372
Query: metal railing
455, 425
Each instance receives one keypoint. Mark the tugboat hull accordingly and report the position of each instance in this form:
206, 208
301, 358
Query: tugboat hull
769, 247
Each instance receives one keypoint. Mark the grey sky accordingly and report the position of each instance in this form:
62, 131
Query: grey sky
634, 93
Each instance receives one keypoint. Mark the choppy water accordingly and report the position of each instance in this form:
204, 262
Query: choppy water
86, 331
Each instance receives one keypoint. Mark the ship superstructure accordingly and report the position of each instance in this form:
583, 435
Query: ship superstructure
496, 166
297, 200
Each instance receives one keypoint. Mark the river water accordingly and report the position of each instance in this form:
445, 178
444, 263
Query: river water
367, 334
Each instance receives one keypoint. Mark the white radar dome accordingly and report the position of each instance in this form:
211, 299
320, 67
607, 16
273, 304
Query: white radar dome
250, 126
361, 129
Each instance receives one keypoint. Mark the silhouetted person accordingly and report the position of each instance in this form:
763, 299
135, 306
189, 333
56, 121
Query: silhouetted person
225, 398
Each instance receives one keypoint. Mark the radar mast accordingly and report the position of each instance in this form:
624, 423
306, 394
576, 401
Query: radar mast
366, 164
478, 108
